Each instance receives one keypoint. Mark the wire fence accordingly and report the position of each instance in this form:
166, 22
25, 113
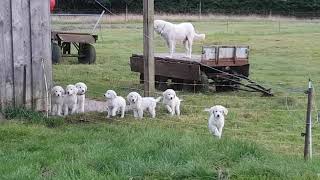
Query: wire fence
273, 122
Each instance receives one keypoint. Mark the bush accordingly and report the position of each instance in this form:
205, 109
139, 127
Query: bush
263, 7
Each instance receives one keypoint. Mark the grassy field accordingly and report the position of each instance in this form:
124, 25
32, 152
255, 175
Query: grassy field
262, 134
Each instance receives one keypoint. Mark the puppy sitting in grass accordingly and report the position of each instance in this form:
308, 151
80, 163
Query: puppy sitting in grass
70, 100
139, 104
115, 103
81, 96
216, 119
172, 102
57, 95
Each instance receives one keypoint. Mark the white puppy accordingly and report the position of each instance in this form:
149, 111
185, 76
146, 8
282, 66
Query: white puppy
81, 96
115, 103
172, 102
172, 33
57, 94
139, 104
70, 99
216, 119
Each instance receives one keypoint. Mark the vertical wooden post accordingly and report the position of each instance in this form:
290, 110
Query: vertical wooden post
148, 56
126, 12
200, 10
308, 136
6, 60
41, 49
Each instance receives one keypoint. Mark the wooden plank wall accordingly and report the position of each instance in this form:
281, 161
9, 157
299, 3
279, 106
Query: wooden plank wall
6, 67
24, 42
41, 49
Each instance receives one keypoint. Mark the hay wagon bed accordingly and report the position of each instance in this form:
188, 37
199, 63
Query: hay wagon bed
223, 68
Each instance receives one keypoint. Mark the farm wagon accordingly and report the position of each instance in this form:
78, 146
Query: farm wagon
224, 67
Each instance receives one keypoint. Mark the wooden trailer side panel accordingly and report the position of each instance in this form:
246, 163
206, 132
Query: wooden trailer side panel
187, 71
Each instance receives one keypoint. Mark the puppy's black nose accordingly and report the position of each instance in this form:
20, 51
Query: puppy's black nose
82, 90
58, 94
171, 98
218, 115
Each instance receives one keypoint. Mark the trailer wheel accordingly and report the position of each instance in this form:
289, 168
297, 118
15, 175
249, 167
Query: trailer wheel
161, 83
141, 78
227, 85
177, 84
66, 47
204, 83
56, 53
87, 54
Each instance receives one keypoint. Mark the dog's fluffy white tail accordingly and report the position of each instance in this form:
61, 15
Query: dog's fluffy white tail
158, 99
199, 36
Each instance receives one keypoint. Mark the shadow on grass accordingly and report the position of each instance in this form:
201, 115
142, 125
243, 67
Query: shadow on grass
32, 117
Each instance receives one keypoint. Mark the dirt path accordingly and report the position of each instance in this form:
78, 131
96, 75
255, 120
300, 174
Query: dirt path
94, 106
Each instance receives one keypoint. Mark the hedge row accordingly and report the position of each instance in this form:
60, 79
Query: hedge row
284, 7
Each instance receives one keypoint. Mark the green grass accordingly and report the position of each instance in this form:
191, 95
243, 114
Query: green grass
261, 138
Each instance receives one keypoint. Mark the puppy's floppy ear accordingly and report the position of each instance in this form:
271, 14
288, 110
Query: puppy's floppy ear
62, 90
76, 90
114, 94
225, 110
139, 97
208, 110
52, 90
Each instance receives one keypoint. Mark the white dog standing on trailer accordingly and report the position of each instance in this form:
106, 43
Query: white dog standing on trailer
216, 119
57, 95
115, 103
183, 32
70, 100
139, 104
81, 96
172, 102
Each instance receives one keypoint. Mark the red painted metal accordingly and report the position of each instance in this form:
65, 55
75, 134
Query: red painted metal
52, 5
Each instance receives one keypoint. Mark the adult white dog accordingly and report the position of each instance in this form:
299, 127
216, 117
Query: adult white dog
216, 119
172, 102
115, 103
57, 95
139, 104
81, 96
172, 33
70, 100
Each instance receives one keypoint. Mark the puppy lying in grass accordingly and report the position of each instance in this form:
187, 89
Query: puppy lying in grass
139, 104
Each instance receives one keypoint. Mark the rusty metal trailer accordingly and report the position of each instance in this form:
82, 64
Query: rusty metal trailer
61, 46
223, 67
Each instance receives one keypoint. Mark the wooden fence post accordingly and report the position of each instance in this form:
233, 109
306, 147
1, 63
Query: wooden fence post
307, 134
148, 56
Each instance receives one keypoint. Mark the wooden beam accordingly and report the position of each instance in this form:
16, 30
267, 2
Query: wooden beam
6, 62
21, 52
41, 49
148, 13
